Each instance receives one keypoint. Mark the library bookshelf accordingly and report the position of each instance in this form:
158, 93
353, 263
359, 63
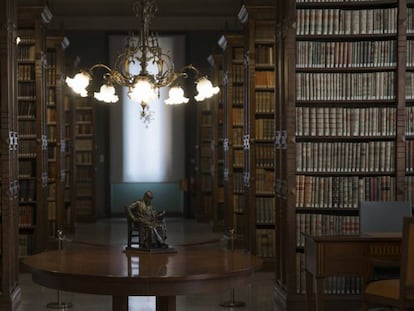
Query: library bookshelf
55, 73
216, 75
32, 134
84, 159
68, 212
342, 101
205, 161
233, 112
10, 291
259, 128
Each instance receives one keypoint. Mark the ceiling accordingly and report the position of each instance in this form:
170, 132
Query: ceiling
171, 14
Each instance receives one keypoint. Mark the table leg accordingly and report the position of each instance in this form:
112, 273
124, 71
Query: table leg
165, 303
119, 303
320, 294
309, 290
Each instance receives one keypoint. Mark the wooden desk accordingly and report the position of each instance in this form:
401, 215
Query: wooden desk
344, 255
112, 271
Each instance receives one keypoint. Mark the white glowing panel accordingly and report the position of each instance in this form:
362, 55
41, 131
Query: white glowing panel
153, 153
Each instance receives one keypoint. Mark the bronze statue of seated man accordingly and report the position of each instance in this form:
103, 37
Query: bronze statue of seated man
151, 223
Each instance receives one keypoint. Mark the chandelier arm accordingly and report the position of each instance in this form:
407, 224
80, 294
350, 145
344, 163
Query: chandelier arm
100, 66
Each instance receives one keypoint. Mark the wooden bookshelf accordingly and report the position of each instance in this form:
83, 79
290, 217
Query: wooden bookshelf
235, 217
55, 53
342, 101
216, 63
83, 183
259, 130
205, 161
33, 140
10, 291
68, 214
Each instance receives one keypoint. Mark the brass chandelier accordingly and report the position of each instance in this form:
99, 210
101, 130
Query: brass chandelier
144, 86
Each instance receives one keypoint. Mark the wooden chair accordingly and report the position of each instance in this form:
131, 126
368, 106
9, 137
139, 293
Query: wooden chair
133, 232
139, 234
398, 293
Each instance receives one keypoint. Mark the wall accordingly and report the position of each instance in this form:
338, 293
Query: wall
167, 196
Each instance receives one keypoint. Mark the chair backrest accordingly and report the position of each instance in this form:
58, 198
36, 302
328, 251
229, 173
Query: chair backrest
407, 256
383, 216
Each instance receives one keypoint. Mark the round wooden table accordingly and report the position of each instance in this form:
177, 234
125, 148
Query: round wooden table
120, 273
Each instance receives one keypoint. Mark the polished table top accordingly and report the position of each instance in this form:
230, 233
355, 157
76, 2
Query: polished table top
114, 271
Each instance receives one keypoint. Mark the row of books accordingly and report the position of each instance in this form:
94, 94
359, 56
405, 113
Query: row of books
237, 95
264, 128
264, 54
340, 21
264, 78
237, 116
238, 158
350, 157
27, 36
345, 54
26, 53
26, 215
409, 191
237, 73
206, 165
264, 181
27, 109
342, 191
410, 51
50, 115
206, 183
51, 190
26, 91
206, 119
84, 173
84, 115
265, 243
340, 121
51, 76
27, 128
238, 53
410, 20
26, 245
83, 129
409, 85
26, 168
238, 183
333, 285
206, 149
238, 203
324, 224
345, 86
84, 157
409, 156
51, 97
265, 210
51, 210
52, 174
27, 148
237, 136
264, 102
264, 155
25, 72
51, 133
27, 191
84, 188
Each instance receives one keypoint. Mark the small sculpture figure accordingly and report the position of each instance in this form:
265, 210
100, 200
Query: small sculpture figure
152, 222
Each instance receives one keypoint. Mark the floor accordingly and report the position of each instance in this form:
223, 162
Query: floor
257, 296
